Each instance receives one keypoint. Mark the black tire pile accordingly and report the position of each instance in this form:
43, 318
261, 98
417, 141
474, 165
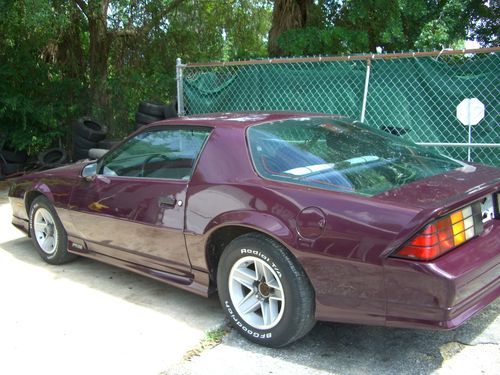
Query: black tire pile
149, 112
12, 162
87, 134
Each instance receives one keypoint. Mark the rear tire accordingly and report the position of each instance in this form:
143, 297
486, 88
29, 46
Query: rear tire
264, 291
47, 233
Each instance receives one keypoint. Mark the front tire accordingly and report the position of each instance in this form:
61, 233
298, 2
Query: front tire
264, 291
47, 233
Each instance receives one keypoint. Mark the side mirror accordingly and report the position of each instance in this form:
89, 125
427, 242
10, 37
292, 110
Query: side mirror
89, 172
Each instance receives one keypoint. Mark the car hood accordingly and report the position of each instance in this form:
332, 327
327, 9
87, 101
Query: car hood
452, 188
66, 171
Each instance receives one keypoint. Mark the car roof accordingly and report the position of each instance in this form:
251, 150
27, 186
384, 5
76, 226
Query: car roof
240, 120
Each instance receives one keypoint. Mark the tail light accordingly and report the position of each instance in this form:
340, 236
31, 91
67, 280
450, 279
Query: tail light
444, 234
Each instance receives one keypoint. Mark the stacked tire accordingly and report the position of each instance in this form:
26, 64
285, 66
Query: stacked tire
52, 158
12, 162
149, 112
87, 134
107, 144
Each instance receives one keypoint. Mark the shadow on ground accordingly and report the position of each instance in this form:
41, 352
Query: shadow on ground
348, 349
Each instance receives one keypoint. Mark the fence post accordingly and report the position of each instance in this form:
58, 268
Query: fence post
365, 93
180, 88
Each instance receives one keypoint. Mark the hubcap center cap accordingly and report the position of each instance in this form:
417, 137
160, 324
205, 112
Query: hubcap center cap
264, 290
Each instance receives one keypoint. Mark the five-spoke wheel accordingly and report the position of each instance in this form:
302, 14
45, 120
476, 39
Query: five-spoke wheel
257, 292
45, 230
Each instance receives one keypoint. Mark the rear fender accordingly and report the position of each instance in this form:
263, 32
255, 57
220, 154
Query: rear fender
261, 222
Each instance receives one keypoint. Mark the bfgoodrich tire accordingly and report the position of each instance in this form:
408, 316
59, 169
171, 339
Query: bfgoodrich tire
47, 232
264, 291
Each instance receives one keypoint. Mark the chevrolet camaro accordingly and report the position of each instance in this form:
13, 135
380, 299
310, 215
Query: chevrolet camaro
291, 217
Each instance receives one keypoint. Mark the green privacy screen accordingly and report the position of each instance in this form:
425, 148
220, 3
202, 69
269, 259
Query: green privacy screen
414, 97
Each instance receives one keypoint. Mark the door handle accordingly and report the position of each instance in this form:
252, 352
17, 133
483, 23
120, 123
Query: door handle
168, 201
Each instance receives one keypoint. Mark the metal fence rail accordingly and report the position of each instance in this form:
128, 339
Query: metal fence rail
413, 95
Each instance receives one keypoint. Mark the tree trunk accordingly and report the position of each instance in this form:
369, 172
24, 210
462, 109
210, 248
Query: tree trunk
98, 63
287, 14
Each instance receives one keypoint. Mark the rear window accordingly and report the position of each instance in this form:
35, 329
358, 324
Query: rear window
342, 156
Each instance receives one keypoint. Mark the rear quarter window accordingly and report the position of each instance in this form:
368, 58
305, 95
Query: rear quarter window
341, 156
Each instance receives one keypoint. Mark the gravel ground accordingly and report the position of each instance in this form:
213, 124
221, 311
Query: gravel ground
89, 318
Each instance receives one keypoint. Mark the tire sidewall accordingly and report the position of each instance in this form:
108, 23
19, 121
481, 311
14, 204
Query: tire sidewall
54, 257
155, 109
83, 143
240, 248
88, 133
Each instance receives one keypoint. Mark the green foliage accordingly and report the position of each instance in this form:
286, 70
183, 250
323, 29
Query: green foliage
34, 97
357, 26
45, 54
50, 72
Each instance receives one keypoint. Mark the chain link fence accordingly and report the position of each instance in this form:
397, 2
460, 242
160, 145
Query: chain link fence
413, 95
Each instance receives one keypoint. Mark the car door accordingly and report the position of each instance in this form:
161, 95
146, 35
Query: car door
134, 208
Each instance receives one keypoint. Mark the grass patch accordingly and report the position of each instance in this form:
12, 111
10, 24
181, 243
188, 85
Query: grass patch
212, 338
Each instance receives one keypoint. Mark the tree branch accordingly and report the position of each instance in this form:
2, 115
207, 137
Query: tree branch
144, 29
125, 32
83, 7
160, 15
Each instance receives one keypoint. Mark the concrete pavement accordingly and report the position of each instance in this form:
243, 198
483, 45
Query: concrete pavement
89, 318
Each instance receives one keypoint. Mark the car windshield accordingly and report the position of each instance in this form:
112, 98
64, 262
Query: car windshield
337, 155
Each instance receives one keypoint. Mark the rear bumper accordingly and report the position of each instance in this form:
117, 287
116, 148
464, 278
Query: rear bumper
444, 293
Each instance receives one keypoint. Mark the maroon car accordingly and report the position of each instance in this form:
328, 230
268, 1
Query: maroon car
292, 217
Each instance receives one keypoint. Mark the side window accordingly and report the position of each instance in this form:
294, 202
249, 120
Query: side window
165, 153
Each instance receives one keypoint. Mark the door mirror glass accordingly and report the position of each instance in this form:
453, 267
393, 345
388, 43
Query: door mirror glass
89, 171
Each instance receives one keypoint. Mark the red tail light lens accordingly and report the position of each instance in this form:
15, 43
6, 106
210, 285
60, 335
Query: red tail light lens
444, 234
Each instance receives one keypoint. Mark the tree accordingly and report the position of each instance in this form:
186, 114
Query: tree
63, 59
102, 36
287, 15
485, 22
355, 26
